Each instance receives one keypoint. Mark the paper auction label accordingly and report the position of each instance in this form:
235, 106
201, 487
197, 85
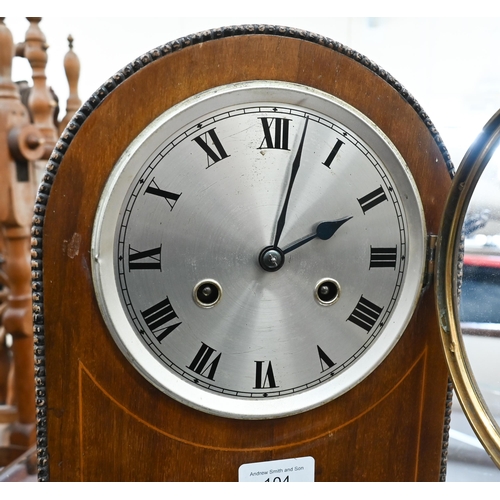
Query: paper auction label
291, 470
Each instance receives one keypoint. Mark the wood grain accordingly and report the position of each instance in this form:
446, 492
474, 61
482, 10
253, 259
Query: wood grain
105, 422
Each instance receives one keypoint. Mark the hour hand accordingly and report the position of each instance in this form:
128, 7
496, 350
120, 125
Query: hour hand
324, 231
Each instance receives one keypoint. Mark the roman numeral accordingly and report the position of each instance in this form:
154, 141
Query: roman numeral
264, 377
170, 198
148, 259
365, 314
157, 318
277, 138
213, 155
205, 361
325, 362
372, 199
383, 257
333, 153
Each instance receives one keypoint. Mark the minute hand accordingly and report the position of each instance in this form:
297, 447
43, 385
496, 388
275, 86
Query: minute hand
295, 168
324, 231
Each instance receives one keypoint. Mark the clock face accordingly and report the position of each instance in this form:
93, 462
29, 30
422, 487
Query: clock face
258, 249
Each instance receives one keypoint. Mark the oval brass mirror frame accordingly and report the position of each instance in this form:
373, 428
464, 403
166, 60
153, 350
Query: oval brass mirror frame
448, 252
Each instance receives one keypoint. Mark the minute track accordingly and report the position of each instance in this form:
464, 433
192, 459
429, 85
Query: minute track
268, 390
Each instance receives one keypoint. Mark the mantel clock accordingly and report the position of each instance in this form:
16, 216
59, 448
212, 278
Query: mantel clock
233, 253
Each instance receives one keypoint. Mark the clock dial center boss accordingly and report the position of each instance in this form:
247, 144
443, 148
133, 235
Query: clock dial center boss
258, 250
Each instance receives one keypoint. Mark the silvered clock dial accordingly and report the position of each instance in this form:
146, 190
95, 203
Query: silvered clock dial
258, 249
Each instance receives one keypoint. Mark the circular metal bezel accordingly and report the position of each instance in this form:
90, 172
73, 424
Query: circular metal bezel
108, 214
448, 249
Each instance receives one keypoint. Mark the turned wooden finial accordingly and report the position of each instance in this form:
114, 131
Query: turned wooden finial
40, 102
7, 50
72, 69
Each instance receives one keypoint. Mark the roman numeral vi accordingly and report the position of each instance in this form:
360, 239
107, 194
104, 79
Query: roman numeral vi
264, 377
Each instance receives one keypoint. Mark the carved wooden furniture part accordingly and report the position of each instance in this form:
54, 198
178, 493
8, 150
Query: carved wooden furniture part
27, 137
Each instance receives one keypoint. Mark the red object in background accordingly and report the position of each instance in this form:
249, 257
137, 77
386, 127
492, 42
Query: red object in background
482, 260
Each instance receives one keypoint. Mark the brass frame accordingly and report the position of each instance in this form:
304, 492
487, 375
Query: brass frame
448, 253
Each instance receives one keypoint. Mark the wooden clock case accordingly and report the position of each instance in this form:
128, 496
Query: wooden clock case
98, 419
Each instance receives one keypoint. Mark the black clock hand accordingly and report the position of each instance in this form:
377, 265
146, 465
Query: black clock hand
295, 168
324, 231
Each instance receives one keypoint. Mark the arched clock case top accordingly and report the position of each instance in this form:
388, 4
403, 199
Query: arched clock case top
102, 109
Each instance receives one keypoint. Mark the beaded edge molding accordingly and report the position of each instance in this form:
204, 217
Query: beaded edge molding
71, 130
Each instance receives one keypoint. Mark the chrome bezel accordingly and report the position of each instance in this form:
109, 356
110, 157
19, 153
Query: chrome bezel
108, 214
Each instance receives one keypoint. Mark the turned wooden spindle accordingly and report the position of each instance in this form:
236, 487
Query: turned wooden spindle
28, 133
17, 320
72, 69
6, 380
8, 89
41, 102
20, 144
7, 92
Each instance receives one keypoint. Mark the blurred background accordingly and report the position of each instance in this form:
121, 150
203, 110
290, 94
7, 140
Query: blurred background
447, 63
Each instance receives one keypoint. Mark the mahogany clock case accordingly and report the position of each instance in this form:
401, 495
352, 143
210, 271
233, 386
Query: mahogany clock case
98, 419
